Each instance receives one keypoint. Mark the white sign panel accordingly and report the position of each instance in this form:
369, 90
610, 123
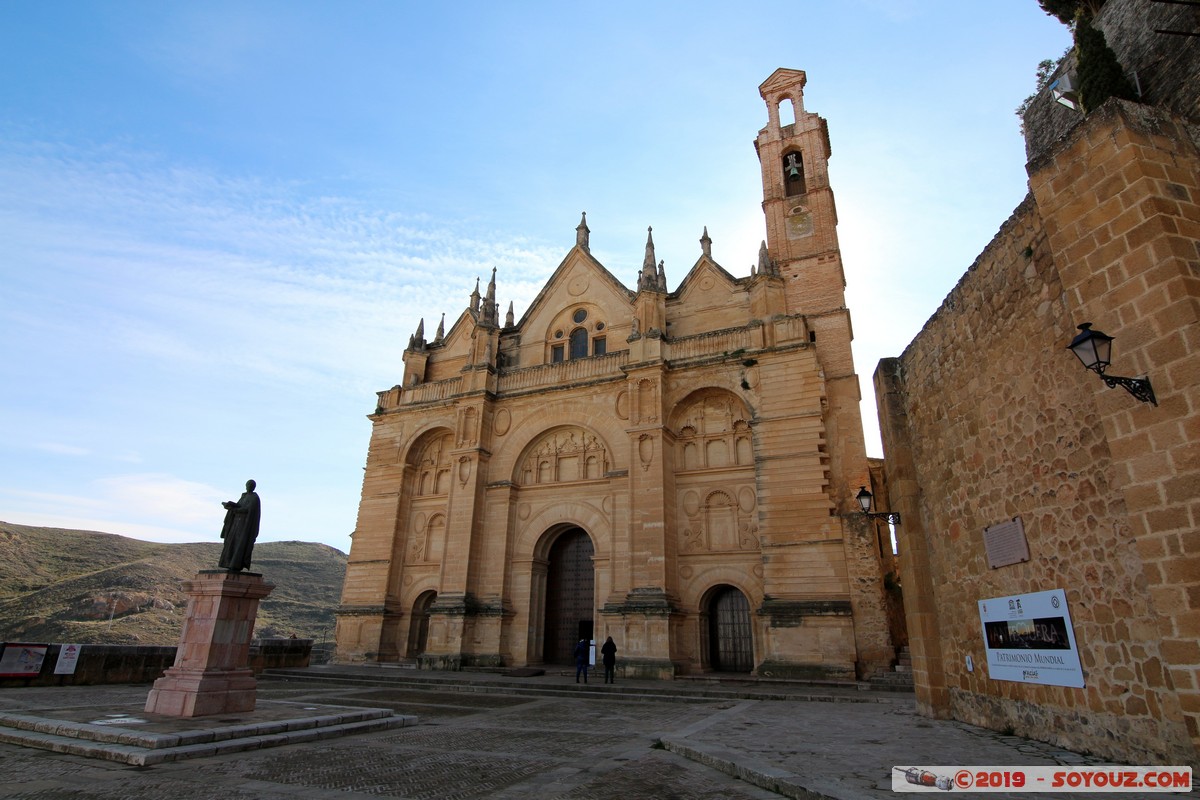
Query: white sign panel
68, 657
1029, 639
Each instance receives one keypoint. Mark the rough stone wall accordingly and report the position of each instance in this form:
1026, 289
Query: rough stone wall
986, 417
1164, 66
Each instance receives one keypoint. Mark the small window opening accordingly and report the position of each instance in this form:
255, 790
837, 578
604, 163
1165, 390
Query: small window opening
556, 354
599, 346
812, 336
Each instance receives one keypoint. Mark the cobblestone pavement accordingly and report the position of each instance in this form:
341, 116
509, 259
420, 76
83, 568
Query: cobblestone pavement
467, 746
489, 743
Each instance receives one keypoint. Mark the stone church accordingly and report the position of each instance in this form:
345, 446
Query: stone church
675, 469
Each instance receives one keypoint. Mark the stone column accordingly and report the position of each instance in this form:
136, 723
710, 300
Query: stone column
212, 672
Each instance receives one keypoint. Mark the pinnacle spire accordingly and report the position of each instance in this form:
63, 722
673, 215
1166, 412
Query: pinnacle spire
582, 233
765, 265
648, 261
489, 301
508, 318
706, 244
475, 297
662, 276
441, 330
648, 277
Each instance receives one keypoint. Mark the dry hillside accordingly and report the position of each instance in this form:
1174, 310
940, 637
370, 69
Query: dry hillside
98, 588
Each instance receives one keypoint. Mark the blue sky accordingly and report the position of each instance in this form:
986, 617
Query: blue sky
221, 221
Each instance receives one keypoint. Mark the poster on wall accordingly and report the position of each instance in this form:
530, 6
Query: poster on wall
21, 660
1029, 639
68, 658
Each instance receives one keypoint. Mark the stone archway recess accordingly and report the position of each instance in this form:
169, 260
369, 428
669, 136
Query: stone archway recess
570, 595
418, 631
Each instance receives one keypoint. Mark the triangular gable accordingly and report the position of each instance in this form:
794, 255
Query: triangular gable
457, 341
781, 79
705, 266
578, 263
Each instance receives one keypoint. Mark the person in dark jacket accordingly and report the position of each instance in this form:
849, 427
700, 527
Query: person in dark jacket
609, 652
581, 659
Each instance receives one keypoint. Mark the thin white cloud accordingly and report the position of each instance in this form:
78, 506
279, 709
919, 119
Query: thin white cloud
164, 498
133, 530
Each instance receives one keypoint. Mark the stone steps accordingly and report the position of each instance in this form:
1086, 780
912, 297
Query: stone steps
897, 679
117, 739
682, 689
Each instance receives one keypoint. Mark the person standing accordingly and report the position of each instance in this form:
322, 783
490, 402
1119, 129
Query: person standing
609, 653
581, 659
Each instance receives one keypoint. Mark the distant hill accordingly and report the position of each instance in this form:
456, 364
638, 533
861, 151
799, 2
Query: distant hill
99, 588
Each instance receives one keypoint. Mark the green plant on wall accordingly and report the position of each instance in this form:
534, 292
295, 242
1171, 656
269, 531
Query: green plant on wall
1100, 74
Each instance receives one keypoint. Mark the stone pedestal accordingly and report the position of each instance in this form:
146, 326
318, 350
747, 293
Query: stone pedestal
212, 672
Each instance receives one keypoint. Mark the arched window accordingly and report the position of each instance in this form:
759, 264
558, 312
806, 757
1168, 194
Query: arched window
579, 343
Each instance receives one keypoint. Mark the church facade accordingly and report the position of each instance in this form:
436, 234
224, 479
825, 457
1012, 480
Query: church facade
675, 469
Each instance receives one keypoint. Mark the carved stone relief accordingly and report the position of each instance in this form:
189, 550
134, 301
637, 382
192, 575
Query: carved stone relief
467, 427
717, 522
432, 470
566, 454
713, 431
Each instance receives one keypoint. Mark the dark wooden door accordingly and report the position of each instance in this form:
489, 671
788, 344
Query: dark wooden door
570, 584
729, 632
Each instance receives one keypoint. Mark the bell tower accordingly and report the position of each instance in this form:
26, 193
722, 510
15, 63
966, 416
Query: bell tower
802, 245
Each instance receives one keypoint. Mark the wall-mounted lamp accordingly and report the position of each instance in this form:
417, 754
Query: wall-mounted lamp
864, 501
1094, 351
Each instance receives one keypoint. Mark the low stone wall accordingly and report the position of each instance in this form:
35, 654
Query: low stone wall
106, 663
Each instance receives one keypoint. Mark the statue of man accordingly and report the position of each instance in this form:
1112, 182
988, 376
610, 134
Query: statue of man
240, 531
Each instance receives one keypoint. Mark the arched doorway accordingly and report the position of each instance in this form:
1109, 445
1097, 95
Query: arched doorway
418, 626
730, 640
570, 595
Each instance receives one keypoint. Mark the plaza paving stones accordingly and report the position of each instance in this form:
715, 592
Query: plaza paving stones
479, 737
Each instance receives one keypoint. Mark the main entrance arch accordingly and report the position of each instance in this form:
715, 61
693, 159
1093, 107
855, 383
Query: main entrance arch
730, 636
570, 595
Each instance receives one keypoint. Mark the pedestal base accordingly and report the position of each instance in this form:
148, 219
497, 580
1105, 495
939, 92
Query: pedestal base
189, 693
212, 672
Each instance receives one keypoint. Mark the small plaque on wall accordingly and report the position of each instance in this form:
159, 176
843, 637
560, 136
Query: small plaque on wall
1005, 543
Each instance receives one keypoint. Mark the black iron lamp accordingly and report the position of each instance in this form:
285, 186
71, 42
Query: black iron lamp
864, 501
1094, 351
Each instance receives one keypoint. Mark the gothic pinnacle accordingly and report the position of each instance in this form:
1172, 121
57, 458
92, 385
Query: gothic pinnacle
441, 330
582, 233
475, 296
706, 244
508, 318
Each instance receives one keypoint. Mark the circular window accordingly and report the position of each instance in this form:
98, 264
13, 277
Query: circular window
599, 326
558, 334
580, 315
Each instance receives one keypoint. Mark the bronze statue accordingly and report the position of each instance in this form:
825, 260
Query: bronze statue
240, 531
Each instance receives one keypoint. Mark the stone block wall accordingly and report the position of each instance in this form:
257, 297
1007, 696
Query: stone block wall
107, 663
986, 416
